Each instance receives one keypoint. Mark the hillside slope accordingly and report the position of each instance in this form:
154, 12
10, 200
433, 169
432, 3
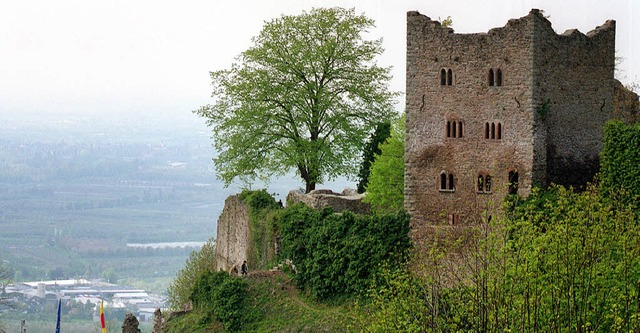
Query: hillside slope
274, 305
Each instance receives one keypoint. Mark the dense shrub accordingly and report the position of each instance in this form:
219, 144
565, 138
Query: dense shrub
337, 254
198, 262
258, 200
222, 297
562, 262
620, 164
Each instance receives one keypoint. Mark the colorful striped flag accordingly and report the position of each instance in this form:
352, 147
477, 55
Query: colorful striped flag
58, 321
104, 327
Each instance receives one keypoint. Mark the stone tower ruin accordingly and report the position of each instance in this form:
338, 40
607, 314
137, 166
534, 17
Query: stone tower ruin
489, 114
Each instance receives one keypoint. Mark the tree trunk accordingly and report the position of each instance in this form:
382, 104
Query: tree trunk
310, 183
310, 186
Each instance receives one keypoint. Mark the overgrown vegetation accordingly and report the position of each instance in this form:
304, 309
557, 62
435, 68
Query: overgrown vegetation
199, 262
218, 298
620, 164
385, 190
264, 213
221, 297
336, 255
557, 261
563, 261
272, 304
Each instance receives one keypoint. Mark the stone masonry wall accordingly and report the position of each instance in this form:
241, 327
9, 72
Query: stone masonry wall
471, 100
318, 199
541, 115
232, 240
573, 77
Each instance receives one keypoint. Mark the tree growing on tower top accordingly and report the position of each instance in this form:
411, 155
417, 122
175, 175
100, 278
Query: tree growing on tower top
303, 97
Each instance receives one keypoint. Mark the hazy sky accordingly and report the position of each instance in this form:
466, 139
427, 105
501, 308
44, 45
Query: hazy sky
142, 56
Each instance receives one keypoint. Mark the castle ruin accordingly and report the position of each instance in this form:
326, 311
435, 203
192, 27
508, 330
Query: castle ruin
492, 114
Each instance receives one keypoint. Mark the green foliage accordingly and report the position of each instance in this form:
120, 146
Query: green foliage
564, 261
272, 304
385, 191
448, 22
395, 302
620, 164
304, 96
264, 215
222, 297
371, 149
572, 261
337, 254
196, 321
258, 200
180, 290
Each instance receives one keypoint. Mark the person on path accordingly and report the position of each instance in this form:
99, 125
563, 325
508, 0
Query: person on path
244, 268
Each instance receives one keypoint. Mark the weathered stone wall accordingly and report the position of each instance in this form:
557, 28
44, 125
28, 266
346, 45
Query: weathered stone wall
233, 235
545, 112
573, 76
472, 101
318, 199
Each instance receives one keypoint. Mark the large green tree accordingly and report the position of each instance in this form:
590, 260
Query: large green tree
304, 96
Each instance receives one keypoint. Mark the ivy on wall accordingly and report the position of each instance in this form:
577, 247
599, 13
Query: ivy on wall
620, 163
263, 219
337, 255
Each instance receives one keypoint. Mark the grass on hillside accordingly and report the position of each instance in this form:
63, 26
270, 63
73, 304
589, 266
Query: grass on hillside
276, 305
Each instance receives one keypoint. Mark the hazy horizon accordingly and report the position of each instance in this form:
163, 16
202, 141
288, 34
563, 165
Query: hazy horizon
144, 58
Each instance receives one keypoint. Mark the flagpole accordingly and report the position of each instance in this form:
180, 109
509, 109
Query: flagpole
58, 321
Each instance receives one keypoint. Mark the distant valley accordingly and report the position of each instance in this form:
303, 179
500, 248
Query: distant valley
74, 191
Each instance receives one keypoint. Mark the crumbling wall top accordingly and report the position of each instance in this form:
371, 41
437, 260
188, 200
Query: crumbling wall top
536, 15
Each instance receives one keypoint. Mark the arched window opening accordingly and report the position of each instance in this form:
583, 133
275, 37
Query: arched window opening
513, 182
453, 129
493, 131
449, 77
491, 82
447, 182
499, 131
486, 130
443, 77
499, 77
484, 183
451, 182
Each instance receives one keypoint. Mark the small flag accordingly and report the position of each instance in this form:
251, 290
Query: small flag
58, 321
104, 327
